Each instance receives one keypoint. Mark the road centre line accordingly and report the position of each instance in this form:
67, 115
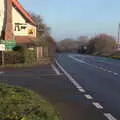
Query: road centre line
1, 72
109, 116
91, 57
97, 105
81, 90
55, 69
116, 73
88, 97
101, 68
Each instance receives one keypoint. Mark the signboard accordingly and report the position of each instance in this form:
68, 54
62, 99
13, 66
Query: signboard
9, 44
23, 29
2, 47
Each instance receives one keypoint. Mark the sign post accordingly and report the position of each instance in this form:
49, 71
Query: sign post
2, 49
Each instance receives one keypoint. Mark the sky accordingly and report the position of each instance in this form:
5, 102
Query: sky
74, 18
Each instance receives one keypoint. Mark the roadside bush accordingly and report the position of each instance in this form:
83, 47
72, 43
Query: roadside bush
19, 48
17, 103
30, 56
12, 57
20, 56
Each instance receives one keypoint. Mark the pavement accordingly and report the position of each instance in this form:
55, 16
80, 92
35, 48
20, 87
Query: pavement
52, 83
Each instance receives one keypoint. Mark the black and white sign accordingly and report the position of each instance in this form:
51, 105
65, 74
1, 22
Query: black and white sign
2, 47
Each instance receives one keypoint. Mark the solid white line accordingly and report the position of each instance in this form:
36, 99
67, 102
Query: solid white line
97, 105
55, 69
69, 76
88, 97
109, 116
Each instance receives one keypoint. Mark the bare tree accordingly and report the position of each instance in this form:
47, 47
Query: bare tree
67, 45
102, 43
42, 30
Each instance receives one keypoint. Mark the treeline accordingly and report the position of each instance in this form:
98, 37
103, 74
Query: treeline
101, 44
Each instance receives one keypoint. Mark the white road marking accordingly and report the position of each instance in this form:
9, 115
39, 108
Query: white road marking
109, 116
1, 72
116, 74
88, 97
81, 61
110, 71
55, 69
69, 76
97, 105
101, 68
81, 90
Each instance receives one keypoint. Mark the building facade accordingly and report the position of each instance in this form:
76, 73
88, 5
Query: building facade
2, 15
16, 23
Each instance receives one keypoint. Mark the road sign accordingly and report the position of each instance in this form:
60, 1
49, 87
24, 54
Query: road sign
9, 44
2, 47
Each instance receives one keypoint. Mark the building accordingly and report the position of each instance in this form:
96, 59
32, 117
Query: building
16, 23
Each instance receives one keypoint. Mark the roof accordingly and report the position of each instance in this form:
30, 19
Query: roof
23, 11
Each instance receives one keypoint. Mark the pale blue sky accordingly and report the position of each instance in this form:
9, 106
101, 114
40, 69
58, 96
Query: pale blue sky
73, 18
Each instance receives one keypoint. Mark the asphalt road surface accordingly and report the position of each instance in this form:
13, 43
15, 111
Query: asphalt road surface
99, 77
81, 87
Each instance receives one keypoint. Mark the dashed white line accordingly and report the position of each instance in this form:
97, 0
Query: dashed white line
97, 105
81, 61
101, 68
81, 90
116, 74
55, 69
88, 97
110, 71
71, 78
109, 116
1, 72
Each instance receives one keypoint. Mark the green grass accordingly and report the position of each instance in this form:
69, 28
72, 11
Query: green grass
17, 103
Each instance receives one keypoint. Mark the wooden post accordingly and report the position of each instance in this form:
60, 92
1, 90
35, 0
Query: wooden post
3, 61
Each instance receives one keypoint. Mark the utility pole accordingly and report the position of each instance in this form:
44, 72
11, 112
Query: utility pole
118, 39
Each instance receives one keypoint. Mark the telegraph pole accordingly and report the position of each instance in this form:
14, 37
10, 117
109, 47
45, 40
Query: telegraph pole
118, 34
118, 39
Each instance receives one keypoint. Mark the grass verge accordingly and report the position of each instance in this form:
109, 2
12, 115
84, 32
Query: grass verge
17, 103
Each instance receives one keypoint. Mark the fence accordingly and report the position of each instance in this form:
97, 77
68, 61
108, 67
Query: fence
37, 55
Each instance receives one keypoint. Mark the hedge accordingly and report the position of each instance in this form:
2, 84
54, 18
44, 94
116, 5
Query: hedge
30, 56
19, 57
13, 57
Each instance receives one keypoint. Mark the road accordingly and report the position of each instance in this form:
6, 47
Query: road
52, 84
81, 87
99, 79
